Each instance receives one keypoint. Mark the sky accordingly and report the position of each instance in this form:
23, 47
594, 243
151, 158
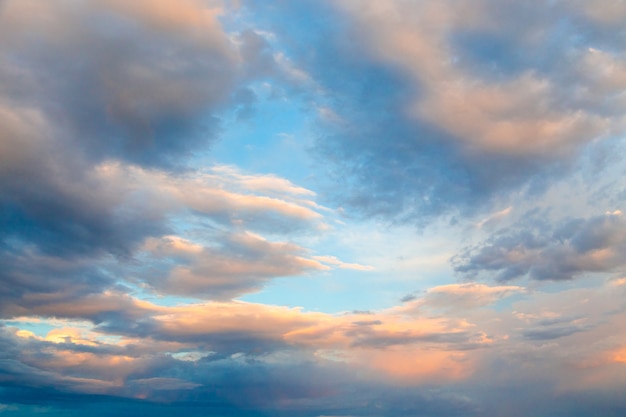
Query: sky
313, 208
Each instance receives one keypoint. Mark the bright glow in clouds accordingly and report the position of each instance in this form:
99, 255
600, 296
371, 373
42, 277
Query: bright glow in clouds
312, 208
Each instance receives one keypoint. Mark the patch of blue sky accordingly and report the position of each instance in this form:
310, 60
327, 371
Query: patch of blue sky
272, 134
272, 139
507, 304
398, 265
341, 290
41, 326
327, 292
37, 327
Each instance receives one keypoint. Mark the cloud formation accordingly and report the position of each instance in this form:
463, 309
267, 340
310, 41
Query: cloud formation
541, 251
181, 354
241, 263
459, 105
120, 81
141, 274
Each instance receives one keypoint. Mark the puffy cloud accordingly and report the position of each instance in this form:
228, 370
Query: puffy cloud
123, 81
129, 338
457, 104
240, 347
426, 109
504, 110
90, 92
544, 252
240, 264
87, 85
116, 224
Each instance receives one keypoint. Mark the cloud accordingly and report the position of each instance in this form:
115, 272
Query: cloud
459, 297
132, 339
456, 105
34, 281
540, 251
553, 333
119, 222
133, 83
494, 218
112, 218
239, 264
87, 82
332, 260
95, 92
286, 359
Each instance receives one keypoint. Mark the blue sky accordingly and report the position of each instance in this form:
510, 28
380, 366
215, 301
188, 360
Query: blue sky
312, 208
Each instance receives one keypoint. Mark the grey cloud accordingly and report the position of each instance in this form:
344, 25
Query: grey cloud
40, 365
149, 91
369, 336
234, 385
360, 312
257, 54
459, 118
367, 323
82, 83
557, 320
119, 82
162, 384
150, 347
550, 333
409, 297
295, 381
557, 327
16, 373
30, 281
99, 308
223, 342
535, 249
67, 217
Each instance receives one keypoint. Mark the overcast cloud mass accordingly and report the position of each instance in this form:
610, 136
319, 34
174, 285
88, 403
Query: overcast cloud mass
313, 208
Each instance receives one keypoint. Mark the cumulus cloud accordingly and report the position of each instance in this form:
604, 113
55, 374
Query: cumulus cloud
241, 347
502, 110
224, 195
543, 252
121, 81
240, 263
457, 105
132, 340
99, 102
87, 85
425, 109
116, 224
